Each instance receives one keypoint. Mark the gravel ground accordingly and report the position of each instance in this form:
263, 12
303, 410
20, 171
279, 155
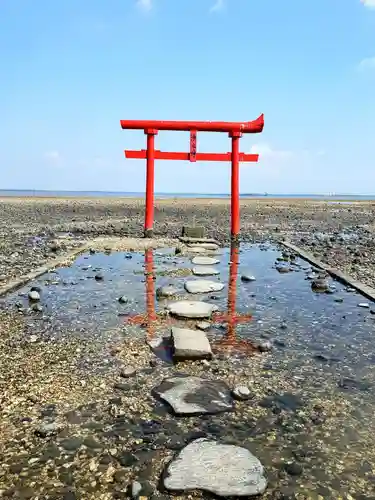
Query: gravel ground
38, 229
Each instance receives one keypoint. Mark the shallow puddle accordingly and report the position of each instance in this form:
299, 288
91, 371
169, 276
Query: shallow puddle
315, 403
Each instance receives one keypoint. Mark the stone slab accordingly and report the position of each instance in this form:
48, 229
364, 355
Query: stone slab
189, 395
204, 261
193, 231
191, 309
205, 271
203, 286
190, 344
222, 469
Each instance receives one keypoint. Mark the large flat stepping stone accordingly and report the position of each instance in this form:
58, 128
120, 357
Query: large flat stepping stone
190, 344
191, 309
205, 261
205, 271
195, 396
203, 286
222, 469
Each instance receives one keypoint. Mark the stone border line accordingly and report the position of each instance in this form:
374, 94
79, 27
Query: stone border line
19, 282
365, 290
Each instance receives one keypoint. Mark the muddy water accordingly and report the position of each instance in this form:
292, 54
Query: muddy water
314, 397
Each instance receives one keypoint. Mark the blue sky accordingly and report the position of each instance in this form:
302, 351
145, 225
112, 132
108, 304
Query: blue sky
71, 69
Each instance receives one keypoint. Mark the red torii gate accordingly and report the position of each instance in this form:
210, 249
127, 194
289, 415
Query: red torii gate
234, 130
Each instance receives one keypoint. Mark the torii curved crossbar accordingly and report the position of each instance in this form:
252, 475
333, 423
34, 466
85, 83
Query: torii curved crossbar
252, 127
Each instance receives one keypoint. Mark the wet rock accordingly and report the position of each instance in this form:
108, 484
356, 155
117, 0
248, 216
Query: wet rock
283, 268
166, 291
71, 444
127, 459
48, 429
364, 305
320, 285
205, 261
123, 299
128, 371
265, 346
293, 468
248, 277
34, 295
190, 344
203, 286
241, 392
37, 308
348, 383
205, 271
99, 277
203, 325
224, 470
193, 395
191, 309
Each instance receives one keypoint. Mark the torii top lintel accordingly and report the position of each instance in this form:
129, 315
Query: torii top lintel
252, 127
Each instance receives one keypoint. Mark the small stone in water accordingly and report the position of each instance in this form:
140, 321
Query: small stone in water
248, 277
365, 305
265, 346
241, 392
99, 277
34, 295
36, 308
123, 299
203, 325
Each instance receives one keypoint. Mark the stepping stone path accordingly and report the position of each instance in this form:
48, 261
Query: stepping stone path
222, 469
190, 344
205, 261
205, 271
203, 286
194, 395
191, 309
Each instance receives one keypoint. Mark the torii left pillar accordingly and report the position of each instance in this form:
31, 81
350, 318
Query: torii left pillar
235, 130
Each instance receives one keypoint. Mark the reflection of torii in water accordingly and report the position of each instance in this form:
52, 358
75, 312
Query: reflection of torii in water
229, 342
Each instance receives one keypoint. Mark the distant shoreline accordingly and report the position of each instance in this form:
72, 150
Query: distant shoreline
41, 194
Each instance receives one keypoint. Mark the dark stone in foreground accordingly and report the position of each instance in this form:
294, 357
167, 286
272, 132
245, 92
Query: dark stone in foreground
222, 469
193, 395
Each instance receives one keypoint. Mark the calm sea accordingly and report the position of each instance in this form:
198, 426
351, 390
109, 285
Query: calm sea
111, 194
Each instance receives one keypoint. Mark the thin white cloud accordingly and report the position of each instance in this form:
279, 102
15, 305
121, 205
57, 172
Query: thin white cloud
144, 5
369, 3
266, 151
52, 157
217, 6
367, 64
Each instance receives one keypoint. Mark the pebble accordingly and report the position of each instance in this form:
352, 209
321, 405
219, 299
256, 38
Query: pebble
365, 305
248, 277
128, 371
123, 299
34, 295
241, 392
